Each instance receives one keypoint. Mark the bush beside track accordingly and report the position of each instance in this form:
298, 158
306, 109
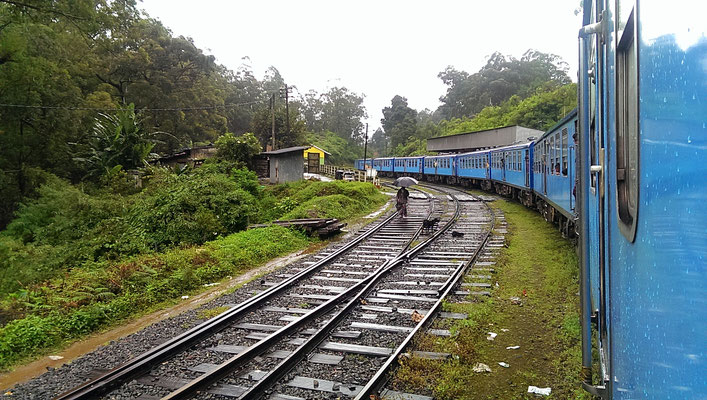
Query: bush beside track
74, 263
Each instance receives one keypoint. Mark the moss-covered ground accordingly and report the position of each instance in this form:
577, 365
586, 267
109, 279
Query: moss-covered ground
540, 268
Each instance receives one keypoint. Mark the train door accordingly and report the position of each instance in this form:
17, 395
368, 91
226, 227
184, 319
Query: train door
546, 163
526, 157
504, 162
487, 165
591, 190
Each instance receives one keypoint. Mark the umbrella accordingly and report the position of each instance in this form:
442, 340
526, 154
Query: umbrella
405, 181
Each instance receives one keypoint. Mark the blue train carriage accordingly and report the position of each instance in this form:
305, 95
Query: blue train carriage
509, 169
554, 175
472, 168
358, 164
438, 168
642, 199
408, 166
384, 165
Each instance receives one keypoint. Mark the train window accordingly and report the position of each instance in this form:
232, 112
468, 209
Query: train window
552, 155
518, 166
558, 154
565, 144
517, 160
627, 128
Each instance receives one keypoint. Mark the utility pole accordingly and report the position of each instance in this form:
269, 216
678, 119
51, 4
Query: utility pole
272, 115
285, 94
365, 149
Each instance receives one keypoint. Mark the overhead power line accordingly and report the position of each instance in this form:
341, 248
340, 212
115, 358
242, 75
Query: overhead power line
200, 108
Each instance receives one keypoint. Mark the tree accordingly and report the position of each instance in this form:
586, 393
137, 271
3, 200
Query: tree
117, 140
262, 128
338, 110
378, 145
501, 78
342, 112
399, 121
240, 150
540, 111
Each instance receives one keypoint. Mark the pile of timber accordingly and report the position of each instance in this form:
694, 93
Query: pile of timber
320, 226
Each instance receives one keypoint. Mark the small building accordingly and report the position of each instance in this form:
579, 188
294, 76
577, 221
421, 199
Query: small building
314, 157
285, 165
188, 157
489, 138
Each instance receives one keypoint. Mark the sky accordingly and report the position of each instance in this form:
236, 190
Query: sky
377, 48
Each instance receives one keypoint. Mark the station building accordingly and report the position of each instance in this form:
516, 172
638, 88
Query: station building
314, 157
480, 140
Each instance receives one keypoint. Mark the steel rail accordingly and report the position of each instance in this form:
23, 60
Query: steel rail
145, 361
224, 369
372, 389
273, 376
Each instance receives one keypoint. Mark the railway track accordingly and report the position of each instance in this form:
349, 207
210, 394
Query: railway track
310, 331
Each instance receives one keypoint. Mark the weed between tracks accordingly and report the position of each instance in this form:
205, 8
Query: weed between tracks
542, 270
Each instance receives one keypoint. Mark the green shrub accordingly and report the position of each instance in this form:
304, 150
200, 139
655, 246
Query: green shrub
255, 246
62, 213
23, 336
193, 209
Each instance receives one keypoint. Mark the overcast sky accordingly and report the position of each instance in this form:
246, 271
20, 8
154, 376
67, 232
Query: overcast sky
376, 48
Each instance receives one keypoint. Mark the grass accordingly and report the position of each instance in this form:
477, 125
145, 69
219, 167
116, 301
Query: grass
209, 313
540, 268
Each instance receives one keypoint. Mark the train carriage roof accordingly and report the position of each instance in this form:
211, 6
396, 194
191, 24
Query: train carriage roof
511, 147
572, 114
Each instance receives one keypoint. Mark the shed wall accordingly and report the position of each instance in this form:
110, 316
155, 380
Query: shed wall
286, 167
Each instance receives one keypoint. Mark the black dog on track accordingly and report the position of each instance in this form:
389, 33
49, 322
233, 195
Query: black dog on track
430, 225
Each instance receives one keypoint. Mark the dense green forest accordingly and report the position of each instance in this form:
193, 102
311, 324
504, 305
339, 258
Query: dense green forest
73, 73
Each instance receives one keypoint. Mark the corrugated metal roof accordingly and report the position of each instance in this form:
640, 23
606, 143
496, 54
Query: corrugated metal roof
286, 150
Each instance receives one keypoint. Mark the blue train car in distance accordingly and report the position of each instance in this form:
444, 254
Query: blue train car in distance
439, 165
511, 165
383, 164
472, 165
553, 169
408, 165
358, 164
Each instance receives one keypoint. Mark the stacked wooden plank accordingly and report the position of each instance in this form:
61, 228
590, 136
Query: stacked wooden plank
320, 226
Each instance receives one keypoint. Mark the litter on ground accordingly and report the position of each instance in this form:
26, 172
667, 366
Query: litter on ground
481, 367
539, 391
